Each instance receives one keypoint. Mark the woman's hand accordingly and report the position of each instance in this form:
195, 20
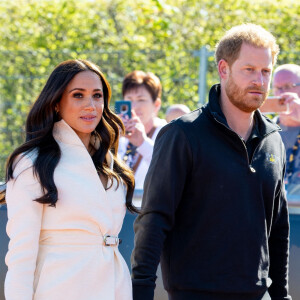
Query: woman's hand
135, 130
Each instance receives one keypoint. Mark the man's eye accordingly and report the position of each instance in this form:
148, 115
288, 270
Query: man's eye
77, 95
249, 69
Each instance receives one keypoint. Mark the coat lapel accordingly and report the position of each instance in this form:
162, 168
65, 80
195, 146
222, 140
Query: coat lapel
70, 144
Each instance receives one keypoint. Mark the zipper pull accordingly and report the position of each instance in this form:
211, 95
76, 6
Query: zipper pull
252, 169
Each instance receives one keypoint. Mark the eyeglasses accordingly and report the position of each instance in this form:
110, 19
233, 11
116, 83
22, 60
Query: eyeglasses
285, 87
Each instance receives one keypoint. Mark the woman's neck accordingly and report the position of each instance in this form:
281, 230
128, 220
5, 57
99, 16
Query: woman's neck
85, 138
149, 126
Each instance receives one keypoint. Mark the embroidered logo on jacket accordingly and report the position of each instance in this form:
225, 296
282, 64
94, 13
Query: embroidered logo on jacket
272, 158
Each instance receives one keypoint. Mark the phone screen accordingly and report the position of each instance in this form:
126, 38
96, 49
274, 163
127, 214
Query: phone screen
123, 107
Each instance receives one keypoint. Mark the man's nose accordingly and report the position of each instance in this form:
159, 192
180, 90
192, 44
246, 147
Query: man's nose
259, 79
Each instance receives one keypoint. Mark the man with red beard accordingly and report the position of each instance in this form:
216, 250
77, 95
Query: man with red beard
214, 211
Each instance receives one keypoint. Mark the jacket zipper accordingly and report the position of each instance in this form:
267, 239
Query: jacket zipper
249, 162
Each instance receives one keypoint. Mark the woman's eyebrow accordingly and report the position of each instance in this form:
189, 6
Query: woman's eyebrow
81, 89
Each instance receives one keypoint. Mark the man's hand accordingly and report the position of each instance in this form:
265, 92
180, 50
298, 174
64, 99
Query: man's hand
292, 116
135, 130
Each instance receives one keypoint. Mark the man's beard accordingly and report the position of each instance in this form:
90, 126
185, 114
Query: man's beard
242, 99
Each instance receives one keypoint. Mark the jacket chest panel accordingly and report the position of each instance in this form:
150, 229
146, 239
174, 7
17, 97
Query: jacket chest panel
82, 196
222, 176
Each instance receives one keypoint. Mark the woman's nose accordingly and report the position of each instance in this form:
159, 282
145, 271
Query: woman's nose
90, 105
133, 104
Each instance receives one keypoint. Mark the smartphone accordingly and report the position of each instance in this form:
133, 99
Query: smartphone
274, 104
123, 107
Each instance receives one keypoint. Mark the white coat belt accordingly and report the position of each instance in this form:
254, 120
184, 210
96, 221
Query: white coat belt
76, 237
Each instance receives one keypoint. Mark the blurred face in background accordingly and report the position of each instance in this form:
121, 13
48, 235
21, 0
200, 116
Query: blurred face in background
285, 81
143, 104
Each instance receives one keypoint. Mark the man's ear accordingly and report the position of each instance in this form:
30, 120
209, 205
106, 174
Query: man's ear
223, 69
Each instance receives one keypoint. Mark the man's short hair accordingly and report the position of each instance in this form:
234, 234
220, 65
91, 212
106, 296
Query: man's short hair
147, 80
229, 46
295, 69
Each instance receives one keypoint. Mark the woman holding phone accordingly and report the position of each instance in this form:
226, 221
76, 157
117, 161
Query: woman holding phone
67, 194
143, 90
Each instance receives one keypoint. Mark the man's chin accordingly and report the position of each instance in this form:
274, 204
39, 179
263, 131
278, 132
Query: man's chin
250, 108
257, 102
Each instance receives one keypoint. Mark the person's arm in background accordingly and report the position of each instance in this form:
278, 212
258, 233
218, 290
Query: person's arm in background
23, 229
279, 246
165, 181
138, 137
292, 116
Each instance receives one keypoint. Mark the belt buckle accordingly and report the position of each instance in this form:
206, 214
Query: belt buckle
110, 240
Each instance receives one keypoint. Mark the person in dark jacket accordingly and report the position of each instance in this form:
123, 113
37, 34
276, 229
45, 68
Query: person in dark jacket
214, 211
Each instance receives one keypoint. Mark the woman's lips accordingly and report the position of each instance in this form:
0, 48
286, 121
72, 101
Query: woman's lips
88, 118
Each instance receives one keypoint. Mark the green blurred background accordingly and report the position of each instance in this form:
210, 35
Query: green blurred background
120, 36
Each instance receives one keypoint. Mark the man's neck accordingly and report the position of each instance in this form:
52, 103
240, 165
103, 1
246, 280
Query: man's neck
239, 121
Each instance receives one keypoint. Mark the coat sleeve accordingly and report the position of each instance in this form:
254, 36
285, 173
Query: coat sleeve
163, 189
279, 246
23, 229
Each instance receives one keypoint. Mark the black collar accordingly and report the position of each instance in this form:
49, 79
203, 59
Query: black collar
263, 124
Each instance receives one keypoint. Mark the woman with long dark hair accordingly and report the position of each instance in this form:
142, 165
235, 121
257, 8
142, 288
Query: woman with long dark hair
67, 194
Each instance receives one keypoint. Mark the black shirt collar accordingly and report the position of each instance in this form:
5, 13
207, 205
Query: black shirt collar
263, 125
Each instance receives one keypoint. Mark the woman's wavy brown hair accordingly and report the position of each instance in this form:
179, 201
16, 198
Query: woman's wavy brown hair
39, 125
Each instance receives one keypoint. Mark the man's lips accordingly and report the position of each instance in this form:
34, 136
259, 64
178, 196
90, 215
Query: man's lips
256, 92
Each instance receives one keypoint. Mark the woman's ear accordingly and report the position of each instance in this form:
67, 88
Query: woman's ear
157, 104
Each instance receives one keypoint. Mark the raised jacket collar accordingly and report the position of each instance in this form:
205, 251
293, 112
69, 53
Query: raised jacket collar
265, 125
63, 133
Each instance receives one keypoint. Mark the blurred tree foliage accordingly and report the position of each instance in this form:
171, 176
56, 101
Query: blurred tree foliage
120, 36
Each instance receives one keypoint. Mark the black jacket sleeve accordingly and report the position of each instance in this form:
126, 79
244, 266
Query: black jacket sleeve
279, 247
163, 189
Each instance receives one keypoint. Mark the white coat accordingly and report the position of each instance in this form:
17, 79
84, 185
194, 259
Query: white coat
58, 253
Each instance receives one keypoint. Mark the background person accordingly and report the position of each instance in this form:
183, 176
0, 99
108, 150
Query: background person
66, 194
175, 111
136, 147
286, 84
214, 208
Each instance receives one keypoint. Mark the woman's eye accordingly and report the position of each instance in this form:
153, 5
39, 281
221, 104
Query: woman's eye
77, 95
98, 95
